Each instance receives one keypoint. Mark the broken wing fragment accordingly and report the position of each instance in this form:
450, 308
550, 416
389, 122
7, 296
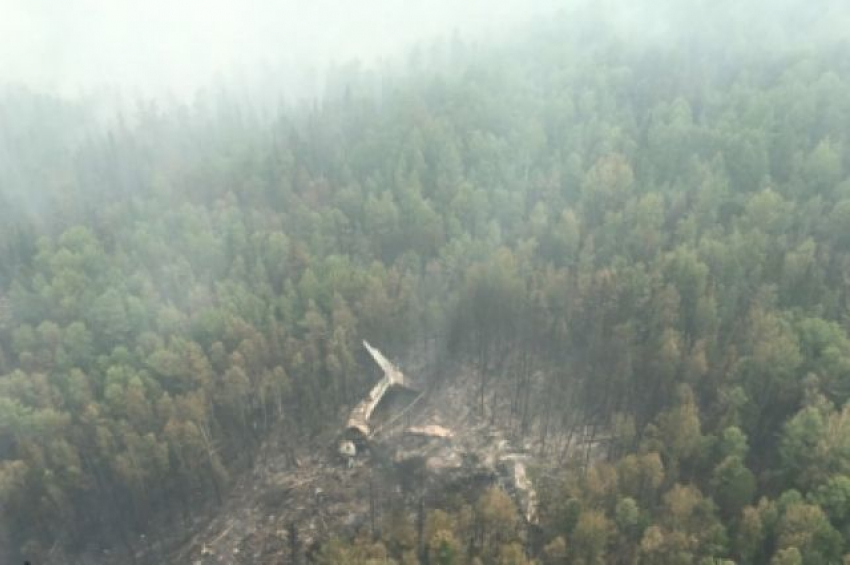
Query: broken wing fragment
358, 421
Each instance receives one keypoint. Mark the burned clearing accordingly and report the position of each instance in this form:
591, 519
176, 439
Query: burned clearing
428, 446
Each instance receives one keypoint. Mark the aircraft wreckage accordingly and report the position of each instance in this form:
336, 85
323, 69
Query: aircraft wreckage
358, 421
420, 436
358, 429
411, 436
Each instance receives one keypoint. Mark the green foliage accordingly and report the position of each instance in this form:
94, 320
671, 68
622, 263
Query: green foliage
590, 538
806, 528
650, 243
834, 498
733, 485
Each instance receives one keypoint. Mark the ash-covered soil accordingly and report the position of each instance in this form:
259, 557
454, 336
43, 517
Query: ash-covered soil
294, 499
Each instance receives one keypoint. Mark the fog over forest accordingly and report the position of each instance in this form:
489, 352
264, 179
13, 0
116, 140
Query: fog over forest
172, 49
163, 46
423, 282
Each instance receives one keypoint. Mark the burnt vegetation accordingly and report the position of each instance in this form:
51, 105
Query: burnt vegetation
633, 248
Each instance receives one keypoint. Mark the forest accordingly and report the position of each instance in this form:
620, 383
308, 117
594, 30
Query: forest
654, 227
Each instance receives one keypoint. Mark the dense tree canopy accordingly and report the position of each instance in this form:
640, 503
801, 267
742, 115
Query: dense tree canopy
663, 234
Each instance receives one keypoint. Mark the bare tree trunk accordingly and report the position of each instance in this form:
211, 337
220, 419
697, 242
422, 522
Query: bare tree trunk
544, 423
420, 528
294, 544
482, 373
210, 449
371, 504
515, 399
525, 420
589, 446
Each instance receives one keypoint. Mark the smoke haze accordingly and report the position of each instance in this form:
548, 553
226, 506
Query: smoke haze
179, 46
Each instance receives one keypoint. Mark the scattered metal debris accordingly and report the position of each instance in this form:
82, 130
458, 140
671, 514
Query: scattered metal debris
430, 430
397, 442
432, 442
